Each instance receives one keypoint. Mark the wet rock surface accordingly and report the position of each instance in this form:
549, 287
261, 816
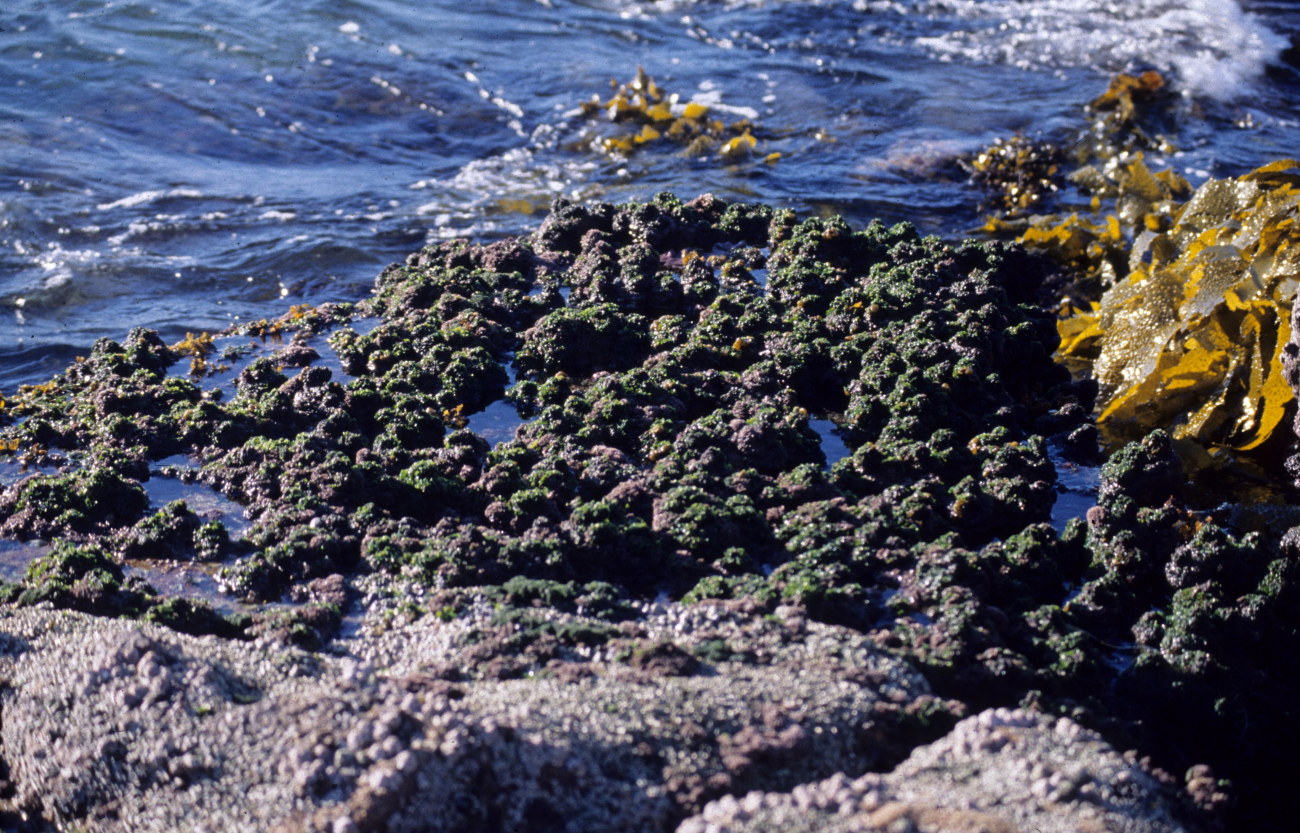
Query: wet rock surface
662, 556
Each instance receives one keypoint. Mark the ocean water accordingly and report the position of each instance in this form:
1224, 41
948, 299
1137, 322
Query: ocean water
185, 165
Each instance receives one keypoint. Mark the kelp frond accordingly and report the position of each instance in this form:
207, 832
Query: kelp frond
1191, 338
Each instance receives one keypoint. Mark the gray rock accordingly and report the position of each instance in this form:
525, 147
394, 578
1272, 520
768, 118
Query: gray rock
1001, 771
114, 725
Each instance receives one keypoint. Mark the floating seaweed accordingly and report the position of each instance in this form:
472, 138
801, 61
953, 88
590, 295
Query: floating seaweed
1125, 114
657, 116
1022, 171
1026, 174
198, 348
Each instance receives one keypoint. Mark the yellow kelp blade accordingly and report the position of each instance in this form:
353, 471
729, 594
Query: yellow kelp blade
1188, 370
1079, 333
1138, 315
695, 111
1274, 173
1069, 240
1215, 271
1275, 394
739, 146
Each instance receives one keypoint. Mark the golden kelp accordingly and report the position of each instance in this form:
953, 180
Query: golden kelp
1126, 100
1126, 119
657, 116
1026, 174
1191, 338
198, 348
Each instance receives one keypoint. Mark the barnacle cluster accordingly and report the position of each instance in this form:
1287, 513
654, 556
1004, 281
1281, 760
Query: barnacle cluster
654, 116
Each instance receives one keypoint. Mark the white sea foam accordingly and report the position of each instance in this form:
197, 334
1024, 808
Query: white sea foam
147, 197
466, 203
1211, 47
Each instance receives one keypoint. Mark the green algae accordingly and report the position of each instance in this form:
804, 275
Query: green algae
671, 401
670, 454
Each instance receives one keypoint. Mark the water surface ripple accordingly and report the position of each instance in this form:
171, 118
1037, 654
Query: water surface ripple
184, 165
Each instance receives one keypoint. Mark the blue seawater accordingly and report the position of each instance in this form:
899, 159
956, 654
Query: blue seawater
184, 165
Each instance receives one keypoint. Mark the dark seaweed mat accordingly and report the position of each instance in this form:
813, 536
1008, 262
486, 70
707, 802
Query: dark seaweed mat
671, 453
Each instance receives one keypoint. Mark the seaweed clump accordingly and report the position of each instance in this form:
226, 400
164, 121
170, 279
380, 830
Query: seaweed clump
1024, 173
657, 115
1179, 299
1192, 338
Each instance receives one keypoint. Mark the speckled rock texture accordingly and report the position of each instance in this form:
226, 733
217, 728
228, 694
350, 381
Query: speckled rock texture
1001, 771
128, 726
114, 725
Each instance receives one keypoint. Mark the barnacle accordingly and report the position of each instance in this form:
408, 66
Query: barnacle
655, 116
1191, 338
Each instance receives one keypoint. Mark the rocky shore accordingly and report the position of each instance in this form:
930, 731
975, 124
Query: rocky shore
660, 606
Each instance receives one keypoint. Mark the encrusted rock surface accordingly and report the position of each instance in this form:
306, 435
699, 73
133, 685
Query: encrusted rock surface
131, 726
664, 527
117, 725
1001, 771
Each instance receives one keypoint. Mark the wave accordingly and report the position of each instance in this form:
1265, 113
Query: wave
1210, 47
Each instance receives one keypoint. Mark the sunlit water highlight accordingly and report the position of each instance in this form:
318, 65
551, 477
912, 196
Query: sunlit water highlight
185, 165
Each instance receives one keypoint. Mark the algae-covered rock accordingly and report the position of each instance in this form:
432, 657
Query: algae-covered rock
670, 455
77, 504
